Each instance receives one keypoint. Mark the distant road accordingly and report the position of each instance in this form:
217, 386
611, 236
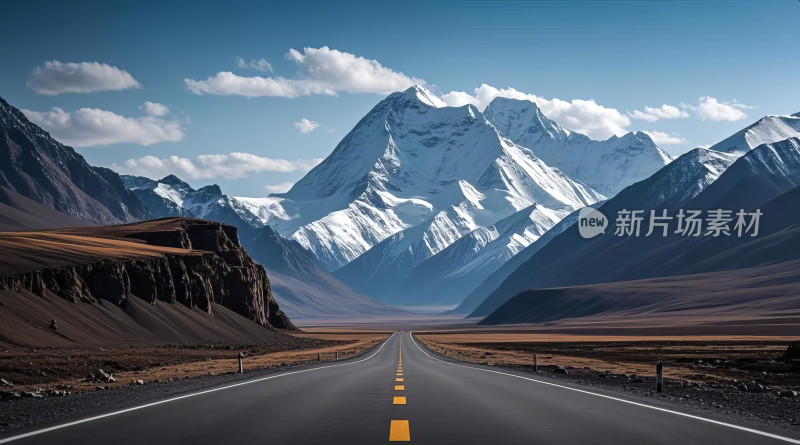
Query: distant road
400, 392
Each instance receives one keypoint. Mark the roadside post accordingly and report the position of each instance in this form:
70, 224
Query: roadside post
659, 377
535, 363
337, 355
241, 356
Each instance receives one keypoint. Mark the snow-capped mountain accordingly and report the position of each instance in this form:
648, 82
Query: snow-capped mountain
413, 160
606, 166
303, 289
700, 179
415, 175
483, 288
679, 182
171, 196
669, 188
444, 279
763, 173
767, 130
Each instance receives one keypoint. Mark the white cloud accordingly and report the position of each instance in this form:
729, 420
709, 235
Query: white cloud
583, 116
258, 65
154, 109
663, 138
87, 127
709, 108
86, 77
283, 187
230, 166
306, 126
652, 114
322, 71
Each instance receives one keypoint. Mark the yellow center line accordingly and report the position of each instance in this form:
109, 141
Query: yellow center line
399, 431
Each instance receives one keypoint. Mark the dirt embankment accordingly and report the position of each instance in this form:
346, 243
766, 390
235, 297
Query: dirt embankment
705, 360
57, 371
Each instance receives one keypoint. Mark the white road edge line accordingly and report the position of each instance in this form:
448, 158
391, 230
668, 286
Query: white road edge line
186, 396
716, 422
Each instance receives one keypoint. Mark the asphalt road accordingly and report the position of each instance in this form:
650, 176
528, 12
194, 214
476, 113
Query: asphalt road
398, 392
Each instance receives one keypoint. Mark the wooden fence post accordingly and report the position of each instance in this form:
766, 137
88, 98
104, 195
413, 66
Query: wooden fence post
659, 377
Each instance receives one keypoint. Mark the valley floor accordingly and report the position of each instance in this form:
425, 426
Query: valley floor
742, 376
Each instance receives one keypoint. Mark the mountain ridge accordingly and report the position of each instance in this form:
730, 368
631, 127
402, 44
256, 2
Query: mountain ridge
583, 261
42, 169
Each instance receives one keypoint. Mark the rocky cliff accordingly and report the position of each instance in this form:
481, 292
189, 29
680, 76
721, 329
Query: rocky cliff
196, 263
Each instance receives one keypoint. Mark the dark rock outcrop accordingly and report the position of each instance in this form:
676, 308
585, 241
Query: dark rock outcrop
205, 264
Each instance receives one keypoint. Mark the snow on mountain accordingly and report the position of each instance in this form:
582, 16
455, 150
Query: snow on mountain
477, 292
762, 174
171, 196
415, 175
303, 289
259, 212
413, 160
606, 166
699, 179
446, 278
767, 130
683, 179
672, 187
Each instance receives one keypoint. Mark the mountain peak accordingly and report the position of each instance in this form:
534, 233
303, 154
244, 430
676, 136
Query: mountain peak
633, 138
172, 180
422, 94
520, 104
523, 121
768, 129
638, 136
212, 189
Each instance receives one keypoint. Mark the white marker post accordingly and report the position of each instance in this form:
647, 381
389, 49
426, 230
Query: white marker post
337, 355
241, 368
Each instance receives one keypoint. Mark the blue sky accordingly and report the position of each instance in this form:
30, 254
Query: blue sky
718, 65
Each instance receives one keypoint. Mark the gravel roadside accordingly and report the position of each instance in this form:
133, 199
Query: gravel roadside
20, 415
